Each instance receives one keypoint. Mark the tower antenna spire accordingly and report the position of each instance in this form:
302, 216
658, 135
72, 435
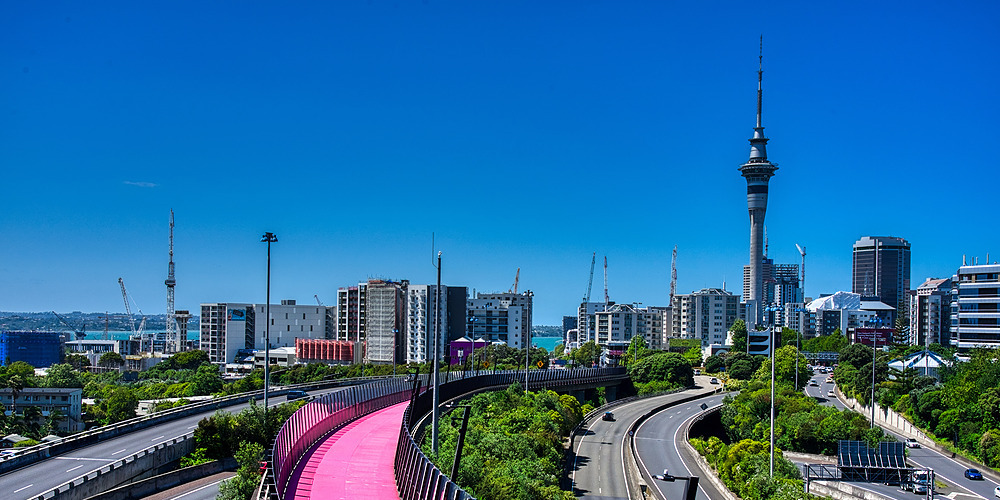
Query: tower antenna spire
760, 78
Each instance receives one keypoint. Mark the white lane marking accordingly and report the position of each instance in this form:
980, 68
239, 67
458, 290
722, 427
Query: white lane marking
199, 489
192, 427
119, 451
157, 437
942, 476
24, 488
74, 468
81, 458
677, 450
628, 491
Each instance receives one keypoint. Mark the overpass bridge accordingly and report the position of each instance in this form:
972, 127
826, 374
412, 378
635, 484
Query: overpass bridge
415, 476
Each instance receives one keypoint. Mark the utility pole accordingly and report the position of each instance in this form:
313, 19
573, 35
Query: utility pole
436, 414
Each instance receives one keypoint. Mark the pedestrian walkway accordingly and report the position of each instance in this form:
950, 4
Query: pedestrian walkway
356, 462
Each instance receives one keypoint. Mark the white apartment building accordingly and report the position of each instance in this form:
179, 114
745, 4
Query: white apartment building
351, 313
420, 307
496, 320
226, 327
930, 313
586, 329
975, 307
705, 315
621, 322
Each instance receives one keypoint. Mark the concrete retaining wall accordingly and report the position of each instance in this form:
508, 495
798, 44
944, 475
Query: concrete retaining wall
156, 484
122, 471
839, 490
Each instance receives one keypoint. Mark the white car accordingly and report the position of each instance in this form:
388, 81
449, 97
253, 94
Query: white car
912, 443
831, 394
996, 492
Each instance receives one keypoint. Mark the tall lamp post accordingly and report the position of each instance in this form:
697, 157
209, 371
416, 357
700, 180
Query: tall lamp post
267, 238
771, 309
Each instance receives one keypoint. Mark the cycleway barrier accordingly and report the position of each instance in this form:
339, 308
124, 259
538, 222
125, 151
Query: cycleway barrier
416, 477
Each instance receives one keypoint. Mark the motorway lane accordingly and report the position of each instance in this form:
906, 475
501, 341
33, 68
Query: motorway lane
206, 488
47, 474
947, 471
658, 443
598, 472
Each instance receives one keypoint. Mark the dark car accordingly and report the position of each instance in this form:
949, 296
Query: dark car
296, 395
610, 417
974, 474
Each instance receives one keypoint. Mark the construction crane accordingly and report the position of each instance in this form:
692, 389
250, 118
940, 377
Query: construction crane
673, 275
605, 282
172, 337
80, 333
517, 278
136, 333
590, 284
802, 285
318, 301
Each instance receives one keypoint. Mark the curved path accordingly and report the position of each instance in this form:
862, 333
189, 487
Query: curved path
355, 462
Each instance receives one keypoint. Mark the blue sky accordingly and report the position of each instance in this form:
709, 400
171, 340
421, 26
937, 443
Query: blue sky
522, 134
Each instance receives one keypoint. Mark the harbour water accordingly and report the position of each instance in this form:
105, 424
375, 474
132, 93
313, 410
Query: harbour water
549, 343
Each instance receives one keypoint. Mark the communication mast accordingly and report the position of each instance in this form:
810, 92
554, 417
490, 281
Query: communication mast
172, 343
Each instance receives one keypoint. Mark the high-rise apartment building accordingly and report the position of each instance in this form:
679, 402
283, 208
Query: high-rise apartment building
351, 313
758, 172
930, 313
975, 307
385, 320
501, 317
586, 323
225, 329
780, 284
881, 268
705, 315
420, 324
621, 322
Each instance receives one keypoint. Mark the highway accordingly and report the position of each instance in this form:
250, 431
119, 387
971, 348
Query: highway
599, 468
35, 479
658, 442
947, 471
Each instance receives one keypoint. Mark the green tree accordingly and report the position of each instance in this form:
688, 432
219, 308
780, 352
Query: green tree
62, 375
16, 384
738, 333
714, 363
207, 380
663, 367
636, 350
242, 486
111, 360
120, 406
586, 354
693, 356
77, 361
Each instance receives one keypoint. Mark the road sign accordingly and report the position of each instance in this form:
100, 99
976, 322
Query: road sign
540, 363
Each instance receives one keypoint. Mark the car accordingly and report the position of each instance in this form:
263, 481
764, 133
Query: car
714, 381
831, 394
697, 371
996, 492
912, 443
829, 380
296, 394
608, 416
974, 474
814, 383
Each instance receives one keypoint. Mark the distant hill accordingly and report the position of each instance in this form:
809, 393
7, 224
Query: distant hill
95, 322
546, 331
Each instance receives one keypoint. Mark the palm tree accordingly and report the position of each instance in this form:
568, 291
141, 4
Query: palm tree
16, 384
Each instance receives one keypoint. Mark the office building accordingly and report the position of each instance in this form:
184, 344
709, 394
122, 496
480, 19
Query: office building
881, 268
225, 329
758, 172
289, 321
930, 313
705, 315
846, 311
975, 307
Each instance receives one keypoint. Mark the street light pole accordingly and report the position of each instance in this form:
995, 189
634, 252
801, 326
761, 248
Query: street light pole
267, 238
436, 413
771, 309
874, 351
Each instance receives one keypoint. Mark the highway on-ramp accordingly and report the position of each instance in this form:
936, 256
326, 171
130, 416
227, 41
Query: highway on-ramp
33, 480
599, 469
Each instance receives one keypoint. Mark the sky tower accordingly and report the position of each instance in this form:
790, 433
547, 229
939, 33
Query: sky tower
757, 171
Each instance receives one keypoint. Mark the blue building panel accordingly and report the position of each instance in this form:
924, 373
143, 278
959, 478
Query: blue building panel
38, 349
